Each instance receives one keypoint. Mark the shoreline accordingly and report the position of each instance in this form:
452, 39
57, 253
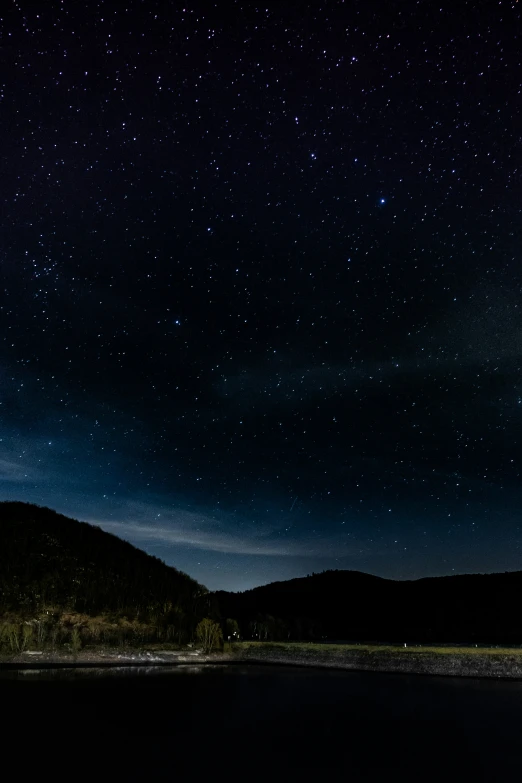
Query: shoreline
106, 659
489, 663
489, 666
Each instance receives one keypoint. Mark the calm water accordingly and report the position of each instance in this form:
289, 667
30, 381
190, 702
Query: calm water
274, 723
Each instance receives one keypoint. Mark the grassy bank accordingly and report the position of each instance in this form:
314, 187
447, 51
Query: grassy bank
336, 649
451, 661
58, 631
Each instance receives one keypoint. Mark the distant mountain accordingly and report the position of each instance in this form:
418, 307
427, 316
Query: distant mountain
49, 560
350, 605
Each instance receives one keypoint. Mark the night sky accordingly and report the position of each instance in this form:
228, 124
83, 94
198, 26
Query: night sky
261, 277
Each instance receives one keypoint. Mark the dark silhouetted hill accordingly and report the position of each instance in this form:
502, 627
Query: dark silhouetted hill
47, 559
349, 605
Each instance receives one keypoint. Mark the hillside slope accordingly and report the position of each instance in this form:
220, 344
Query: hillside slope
354, 606
47, 559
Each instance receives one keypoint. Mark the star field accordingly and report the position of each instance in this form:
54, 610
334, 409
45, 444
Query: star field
261, 281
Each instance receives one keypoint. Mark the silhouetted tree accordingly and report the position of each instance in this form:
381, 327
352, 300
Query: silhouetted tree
208, 634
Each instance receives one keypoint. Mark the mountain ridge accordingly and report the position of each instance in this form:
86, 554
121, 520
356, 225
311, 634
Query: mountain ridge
50, 560
354, 605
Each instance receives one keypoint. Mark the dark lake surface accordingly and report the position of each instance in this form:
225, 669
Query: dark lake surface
273, 723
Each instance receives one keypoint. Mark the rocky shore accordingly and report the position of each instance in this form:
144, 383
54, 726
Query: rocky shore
483, 663
489, 662
47, 659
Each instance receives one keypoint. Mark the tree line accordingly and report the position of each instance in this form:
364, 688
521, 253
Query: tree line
64, 582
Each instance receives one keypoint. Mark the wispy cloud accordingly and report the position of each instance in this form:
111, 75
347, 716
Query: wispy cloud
194, 539
482, 333
16, 471
223, 534
276, 383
